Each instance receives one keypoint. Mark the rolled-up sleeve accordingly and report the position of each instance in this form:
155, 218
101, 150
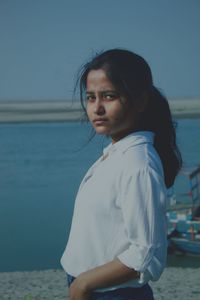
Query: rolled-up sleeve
143, 204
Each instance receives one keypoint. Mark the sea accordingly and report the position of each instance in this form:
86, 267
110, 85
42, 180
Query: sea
41, 167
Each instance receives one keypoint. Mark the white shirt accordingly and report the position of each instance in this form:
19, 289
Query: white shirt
120, 212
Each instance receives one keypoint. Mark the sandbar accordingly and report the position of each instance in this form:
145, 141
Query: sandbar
16, 111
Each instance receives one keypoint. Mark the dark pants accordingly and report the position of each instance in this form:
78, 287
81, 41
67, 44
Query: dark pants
129, 293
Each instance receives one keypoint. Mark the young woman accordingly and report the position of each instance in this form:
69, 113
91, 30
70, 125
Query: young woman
117, 242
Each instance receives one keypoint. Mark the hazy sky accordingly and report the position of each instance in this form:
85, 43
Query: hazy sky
44, 42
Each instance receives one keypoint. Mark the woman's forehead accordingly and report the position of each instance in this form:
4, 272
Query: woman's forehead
98, 78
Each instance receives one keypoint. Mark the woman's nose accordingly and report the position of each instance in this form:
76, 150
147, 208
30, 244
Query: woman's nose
99, 108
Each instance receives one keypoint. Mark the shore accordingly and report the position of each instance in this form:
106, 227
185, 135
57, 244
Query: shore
175, 283
65, 111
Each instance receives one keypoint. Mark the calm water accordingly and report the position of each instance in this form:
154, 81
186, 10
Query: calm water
41, 166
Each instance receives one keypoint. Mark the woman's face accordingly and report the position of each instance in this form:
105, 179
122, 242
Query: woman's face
109, 113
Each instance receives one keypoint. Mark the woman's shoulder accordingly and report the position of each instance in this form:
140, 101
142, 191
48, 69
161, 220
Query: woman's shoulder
139, 158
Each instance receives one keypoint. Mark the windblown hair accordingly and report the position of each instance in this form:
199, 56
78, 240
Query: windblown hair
131, 76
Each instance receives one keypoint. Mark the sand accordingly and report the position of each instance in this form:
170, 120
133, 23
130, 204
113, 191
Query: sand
185, 107
39, 111
175, 283
66, 111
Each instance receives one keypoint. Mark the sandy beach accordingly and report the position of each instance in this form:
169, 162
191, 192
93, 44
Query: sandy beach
39, 111
185, 108
175, 283
66, 111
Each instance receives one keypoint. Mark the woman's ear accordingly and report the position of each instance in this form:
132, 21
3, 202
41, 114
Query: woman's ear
143, 102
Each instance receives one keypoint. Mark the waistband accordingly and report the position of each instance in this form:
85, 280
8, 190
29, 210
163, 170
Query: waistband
70, 279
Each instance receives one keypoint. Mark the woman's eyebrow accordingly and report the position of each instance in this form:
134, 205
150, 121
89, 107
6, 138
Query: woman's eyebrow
89, 92
102, 91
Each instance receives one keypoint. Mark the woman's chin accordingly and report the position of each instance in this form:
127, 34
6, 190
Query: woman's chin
101, 130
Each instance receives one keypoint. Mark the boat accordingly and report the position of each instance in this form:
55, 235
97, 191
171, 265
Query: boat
184, 245
183, 216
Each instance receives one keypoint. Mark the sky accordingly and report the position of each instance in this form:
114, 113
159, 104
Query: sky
43, 43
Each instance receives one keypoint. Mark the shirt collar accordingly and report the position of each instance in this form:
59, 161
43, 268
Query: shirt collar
133, 139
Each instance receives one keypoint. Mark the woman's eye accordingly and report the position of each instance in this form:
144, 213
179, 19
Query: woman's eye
110, 96
90, 97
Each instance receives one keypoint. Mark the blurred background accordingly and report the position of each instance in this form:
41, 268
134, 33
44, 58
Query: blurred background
43, 145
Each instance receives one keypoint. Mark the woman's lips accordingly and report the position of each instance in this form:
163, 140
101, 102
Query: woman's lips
99, 121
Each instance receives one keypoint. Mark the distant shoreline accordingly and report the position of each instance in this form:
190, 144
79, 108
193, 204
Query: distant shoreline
65, 111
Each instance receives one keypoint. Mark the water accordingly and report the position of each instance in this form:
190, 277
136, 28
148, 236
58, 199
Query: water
41, 166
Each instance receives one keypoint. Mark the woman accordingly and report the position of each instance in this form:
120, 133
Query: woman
117, 242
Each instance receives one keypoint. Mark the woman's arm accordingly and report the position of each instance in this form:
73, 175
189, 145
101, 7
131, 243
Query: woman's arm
112, 273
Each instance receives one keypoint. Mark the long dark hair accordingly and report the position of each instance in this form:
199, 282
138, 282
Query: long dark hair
132, 77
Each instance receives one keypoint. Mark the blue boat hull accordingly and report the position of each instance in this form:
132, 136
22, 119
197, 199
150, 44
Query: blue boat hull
185, 245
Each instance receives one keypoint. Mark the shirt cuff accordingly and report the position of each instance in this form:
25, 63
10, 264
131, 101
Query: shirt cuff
143, 259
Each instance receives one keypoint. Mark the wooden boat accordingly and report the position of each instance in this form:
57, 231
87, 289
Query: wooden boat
184, 216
